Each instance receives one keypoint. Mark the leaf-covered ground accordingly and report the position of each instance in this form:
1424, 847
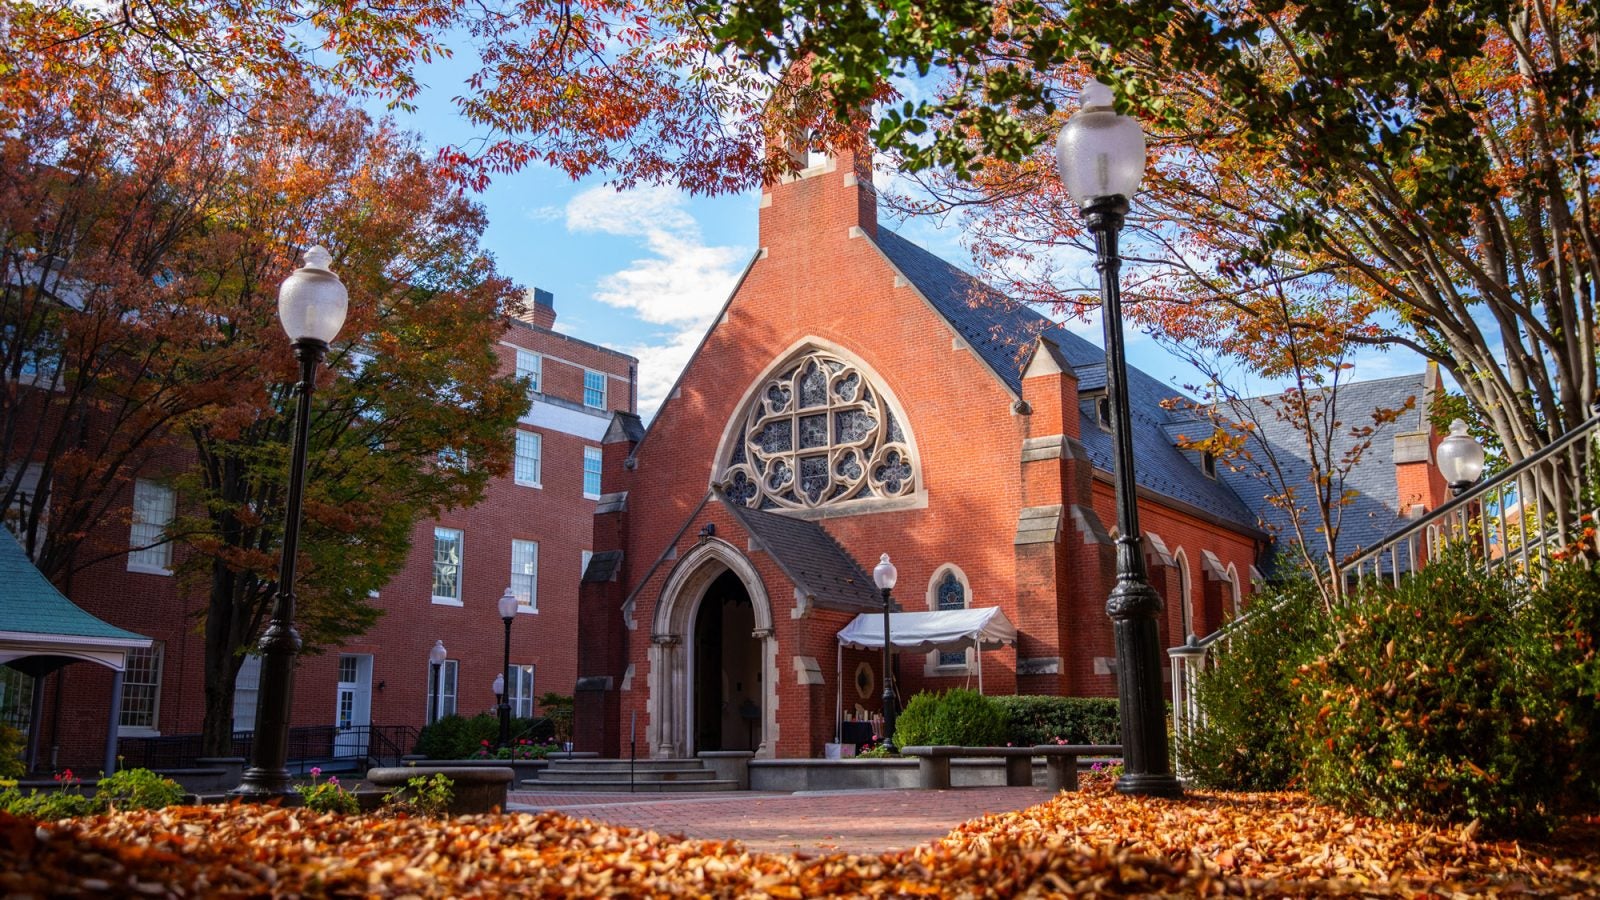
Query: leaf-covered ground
1089, 843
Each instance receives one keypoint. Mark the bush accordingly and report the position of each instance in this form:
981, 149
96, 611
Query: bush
421, 795
138, 789
1250, 740
328, 796
1452, 697
459, 737
63, 803
12, 746
1036, 719
958, 717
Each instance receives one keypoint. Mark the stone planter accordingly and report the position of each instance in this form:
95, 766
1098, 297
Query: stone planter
476, 789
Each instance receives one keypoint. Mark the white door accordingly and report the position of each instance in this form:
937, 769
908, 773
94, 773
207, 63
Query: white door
354, 705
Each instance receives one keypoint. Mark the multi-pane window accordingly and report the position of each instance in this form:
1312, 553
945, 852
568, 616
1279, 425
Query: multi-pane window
525, 574
520, 692
16, 515
951, 594
16, 698
591, 472
530, 445
153, 507
141, 688
594, 389
447, 565
246, 687
528, 366
442, 691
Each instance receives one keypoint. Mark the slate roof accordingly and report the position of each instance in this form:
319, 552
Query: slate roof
30, 604
1375, 510
1002, 331
811, 558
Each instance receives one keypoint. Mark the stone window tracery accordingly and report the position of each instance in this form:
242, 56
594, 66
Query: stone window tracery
817, 434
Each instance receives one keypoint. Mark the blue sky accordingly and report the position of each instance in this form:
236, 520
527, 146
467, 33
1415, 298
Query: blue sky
645, 270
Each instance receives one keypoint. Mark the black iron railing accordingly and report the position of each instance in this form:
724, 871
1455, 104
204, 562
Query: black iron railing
321, 746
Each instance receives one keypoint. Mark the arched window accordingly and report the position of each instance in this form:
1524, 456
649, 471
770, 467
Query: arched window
1185, 593
815, 434
950, 593
1235, 595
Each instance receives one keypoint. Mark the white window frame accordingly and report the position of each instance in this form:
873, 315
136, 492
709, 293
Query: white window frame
246, 693
1185, 590
534, 440
156, 652
460, 564
525, 573
449, 680
603, 378
519, 693
594, 454
156, 560
531, 365
28, 488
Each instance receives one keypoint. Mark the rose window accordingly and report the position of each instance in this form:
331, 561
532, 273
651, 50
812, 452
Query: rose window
818, 434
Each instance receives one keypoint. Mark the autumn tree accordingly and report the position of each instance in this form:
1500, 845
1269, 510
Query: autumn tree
413, 418
635, 90
1429, 165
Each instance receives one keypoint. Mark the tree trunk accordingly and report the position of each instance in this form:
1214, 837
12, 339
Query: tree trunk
222, 663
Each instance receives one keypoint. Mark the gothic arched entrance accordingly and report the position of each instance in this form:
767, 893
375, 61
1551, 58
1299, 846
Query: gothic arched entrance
713, 658
725, 669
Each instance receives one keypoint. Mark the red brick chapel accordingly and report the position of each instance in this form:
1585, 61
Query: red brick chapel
859, 396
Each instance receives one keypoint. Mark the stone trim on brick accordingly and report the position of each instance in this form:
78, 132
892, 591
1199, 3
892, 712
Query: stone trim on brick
1039, 525
1088, 525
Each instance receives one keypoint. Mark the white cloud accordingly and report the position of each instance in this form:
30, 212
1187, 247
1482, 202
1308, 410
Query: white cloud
681, 285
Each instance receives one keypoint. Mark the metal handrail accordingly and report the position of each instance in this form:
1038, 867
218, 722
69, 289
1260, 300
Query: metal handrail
1462, 502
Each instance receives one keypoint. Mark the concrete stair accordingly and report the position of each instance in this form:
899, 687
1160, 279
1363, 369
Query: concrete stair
613, 776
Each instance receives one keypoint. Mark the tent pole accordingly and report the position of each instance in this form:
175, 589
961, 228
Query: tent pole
977, 657
838, 696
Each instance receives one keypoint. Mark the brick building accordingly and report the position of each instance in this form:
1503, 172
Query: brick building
532, 532
859, 396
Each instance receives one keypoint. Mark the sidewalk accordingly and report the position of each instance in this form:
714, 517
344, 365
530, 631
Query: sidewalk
864, 821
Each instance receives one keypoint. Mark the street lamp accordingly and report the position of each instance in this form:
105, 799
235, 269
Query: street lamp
1101, 157
436, 658
1460, 458
508, 611
312, 303
884, 576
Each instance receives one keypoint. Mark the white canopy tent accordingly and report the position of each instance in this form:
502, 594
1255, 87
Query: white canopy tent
948, 630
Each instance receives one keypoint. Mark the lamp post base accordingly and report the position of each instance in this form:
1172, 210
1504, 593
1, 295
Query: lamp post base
1150, 785
261, 785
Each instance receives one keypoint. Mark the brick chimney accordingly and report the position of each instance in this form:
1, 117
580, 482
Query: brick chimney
538, 309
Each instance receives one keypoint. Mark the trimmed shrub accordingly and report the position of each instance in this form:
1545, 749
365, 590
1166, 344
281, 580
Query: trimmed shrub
1450, 698
1039, 719
958, 717
137, 789
12, 746
460, 737
1250, 740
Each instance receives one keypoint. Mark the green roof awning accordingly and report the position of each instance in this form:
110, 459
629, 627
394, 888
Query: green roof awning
37, 619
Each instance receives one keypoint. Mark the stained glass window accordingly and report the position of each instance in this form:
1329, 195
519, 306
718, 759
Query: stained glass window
951, 595
817, 433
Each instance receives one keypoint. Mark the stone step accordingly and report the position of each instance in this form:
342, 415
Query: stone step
602, 765
639, 787
622, 775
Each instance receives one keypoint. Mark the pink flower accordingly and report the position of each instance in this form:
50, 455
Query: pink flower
484, 742
333, 779
316, 771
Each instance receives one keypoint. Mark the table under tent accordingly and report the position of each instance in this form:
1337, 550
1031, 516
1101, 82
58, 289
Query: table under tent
947, 630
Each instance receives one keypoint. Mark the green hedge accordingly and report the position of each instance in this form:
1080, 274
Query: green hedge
1459, 695
1036, 719
1249, 700
460, 737
958, 717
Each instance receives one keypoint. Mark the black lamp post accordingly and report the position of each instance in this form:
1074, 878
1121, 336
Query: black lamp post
1101, 156
436, 657
884, 576
311, 305
508, 611
1460, 458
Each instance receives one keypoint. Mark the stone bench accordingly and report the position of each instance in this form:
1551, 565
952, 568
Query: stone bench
474, 789
1061, 762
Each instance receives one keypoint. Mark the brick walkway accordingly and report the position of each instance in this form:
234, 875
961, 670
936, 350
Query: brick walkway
867, 821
